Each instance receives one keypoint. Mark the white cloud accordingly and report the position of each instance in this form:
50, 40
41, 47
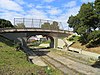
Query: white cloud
33, 13
30, 5
43, 7
20, 2
37, 14
65, 16
73, 11
50, 12
48, 7
10, 5
39, 6
54, 11
70, 4
8, 15
48, 1
86, 1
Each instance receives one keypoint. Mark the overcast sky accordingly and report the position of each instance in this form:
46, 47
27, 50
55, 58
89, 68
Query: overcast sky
58, 10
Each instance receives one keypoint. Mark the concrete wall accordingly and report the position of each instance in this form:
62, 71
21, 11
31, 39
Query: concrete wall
61, 43
14, 36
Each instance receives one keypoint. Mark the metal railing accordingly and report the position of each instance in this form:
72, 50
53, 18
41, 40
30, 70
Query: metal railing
39, 23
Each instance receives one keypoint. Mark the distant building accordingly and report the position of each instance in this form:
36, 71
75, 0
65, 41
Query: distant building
37, 38
32, 39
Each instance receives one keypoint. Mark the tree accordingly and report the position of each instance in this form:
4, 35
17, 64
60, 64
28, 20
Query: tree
97, 11
87, 21
97, 6
46, 25
20, 25
74, 22
54, 26
94, 38
88, 17
5, 24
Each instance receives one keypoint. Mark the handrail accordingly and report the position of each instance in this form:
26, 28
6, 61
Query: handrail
38, 23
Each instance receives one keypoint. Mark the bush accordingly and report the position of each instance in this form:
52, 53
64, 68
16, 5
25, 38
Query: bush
5, 23
74, 38
71, 39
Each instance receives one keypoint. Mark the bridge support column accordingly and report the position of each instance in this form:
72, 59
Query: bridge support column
52, 44
55, 42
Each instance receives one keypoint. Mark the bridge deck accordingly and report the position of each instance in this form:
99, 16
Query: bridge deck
7, 30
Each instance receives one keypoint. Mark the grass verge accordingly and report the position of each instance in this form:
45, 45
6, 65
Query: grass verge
14, 62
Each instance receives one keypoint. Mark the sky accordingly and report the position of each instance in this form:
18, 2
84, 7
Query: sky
58, 10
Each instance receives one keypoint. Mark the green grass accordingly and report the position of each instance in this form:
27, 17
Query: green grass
14, 62
74, 38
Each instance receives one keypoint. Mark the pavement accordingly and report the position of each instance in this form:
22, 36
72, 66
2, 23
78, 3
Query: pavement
82, 68
44, 45
91, 54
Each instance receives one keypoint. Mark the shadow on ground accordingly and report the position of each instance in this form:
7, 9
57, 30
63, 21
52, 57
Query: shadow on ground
6, 41
97, 63
40, 51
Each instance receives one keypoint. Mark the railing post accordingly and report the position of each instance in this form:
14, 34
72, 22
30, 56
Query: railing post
14, 21
32, 23
61, 25
40, 24
49, 26
24, 21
